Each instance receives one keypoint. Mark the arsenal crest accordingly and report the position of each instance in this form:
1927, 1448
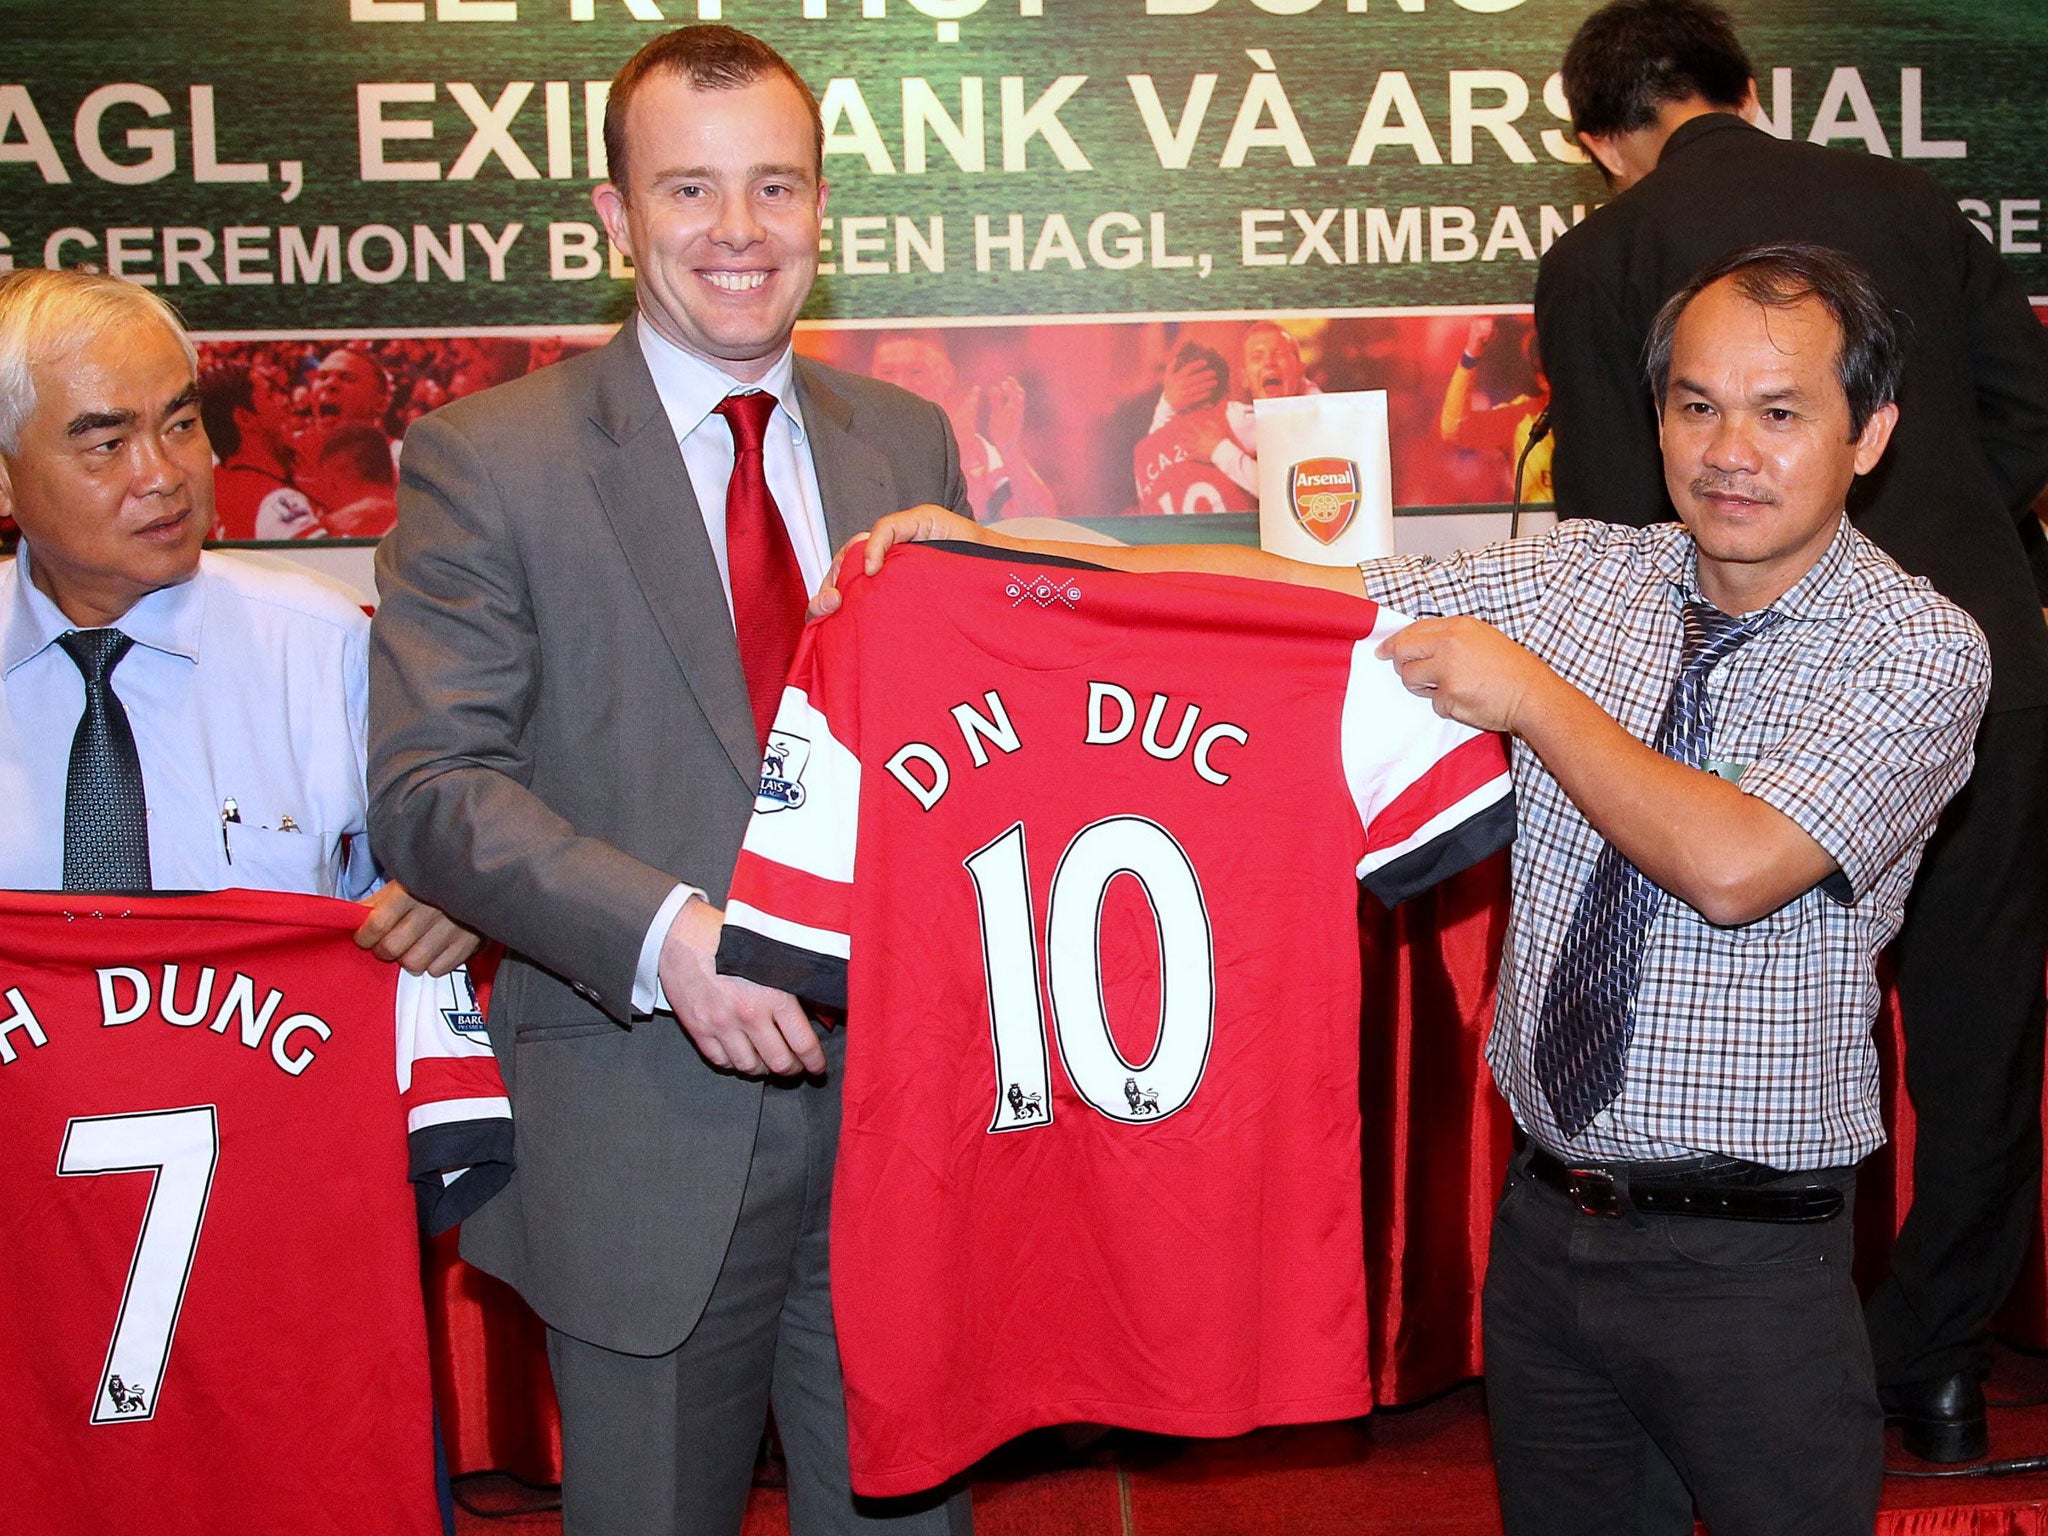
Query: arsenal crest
1323, 494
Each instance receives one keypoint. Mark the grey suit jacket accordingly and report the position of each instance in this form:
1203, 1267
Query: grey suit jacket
559, 731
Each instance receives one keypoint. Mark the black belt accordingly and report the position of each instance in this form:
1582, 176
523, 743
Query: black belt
1727, 1192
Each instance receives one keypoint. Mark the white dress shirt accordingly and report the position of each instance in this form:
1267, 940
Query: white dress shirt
247, 690
691, 389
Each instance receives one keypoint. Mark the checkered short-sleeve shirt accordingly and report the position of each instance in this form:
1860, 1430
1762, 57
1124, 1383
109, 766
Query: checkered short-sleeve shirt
1854, 716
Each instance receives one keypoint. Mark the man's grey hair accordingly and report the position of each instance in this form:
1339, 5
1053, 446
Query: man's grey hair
47, 314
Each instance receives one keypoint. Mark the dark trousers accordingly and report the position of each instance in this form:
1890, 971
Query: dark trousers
1970, 963
664, 1445
1637, 1367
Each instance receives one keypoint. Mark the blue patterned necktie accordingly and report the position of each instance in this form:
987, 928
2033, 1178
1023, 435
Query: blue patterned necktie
1588, 1014
106, 829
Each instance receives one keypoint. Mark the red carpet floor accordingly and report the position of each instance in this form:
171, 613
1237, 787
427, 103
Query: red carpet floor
1421, 1470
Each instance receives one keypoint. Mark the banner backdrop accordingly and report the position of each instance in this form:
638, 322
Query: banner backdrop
1044, 213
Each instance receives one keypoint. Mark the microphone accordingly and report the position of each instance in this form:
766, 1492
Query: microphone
1539, 429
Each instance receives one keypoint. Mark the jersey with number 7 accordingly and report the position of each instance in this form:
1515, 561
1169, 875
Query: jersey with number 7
210, 1299
1077, 852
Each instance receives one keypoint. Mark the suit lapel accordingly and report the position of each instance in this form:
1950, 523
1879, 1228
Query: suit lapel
854, 480
647, 499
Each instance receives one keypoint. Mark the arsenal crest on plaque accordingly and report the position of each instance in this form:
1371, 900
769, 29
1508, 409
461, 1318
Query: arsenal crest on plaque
1323, 494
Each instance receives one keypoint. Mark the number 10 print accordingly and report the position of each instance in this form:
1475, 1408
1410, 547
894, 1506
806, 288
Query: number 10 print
1133, 1092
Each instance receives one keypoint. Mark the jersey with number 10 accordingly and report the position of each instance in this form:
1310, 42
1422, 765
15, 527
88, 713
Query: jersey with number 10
1078, 852
210, 1300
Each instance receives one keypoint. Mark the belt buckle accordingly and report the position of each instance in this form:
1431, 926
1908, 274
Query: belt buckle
1593, 1191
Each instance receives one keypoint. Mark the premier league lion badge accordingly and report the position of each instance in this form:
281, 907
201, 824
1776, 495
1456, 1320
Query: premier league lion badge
782, 772
1323, 495
457, 995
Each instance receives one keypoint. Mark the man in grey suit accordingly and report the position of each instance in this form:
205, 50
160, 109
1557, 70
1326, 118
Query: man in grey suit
589, 604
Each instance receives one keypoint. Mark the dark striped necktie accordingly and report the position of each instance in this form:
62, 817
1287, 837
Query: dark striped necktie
106, 825
1588, 1014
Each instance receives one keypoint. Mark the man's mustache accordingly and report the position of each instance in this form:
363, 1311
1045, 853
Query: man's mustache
1728, 485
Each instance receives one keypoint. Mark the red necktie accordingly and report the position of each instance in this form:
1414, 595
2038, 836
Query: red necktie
768, 594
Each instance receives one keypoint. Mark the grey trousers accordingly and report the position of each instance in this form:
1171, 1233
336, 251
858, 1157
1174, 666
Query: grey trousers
653, 1445
1637, 1367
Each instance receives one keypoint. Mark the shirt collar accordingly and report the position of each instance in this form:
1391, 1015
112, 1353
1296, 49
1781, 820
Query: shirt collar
168, 619
1821, 594
690, 388
1673, 559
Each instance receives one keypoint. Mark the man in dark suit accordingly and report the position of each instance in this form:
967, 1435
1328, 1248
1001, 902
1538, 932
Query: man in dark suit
589, 607
1660, 92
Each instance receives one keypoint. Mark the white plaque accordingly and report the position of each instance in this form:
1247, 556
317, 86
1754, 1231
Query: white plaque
1326, 487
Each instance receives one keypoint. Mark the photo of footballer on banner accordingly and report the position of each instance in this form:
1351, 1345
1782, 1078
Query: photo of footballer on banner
305, 430
1157, 416
1098, 418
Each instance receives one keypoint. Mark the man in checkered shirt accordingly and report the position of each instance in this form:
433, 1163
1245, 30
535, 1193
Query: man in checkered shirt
1664, 1356
1670, 1320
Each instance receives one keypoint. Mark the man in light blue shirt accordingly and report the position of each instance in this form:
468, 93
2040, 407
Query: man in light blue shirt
242, 686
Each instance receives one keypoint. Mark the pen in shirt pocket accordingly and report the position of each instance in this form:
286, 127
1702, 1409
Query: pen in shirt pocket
229, 812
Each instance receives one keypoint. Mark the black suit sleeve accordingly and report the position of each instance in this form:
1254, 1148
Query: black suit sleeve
2008, 366
1605, 463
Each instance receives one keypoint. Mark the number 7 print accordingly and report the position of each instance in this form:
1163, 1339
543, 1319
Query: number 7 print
180, 1147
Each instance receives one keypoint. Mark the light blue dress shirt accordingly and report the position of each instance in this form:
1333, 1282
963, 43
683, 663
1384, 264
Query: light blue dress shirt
690, 389
247, 689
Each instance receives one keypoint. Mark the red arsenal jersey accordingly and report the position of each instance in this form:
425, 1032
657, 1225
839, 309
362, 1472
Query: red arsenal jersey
212, 1107
251, 503
1078, 852
1172, 479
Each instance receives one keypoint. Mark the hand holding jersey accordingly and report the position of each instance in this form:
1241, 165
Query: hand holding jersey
916, 525
422, 939
1469, 671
